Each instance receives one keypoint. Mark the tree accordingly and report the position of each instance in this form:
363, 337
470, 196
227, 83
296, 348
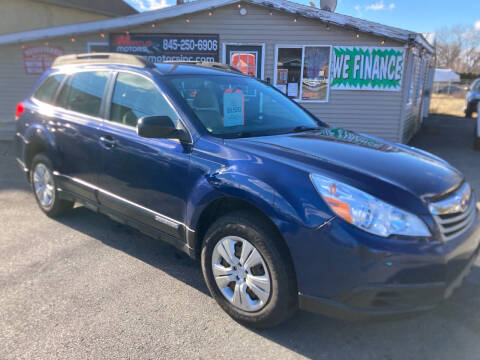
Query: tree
458, 48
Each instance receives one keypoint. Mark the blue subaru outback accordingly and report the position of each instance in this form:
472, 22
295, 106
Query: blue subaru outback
283, 211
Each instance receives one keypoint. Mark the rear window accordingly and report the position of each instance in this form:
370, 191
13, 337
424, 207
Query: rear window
46, 91
83, 92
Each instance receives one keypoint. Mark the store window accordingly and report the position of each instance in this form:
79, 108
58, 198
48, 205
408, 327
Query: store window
248, 58
289, 71
245, 62
420, 82
411, 80
315, 73
302, 73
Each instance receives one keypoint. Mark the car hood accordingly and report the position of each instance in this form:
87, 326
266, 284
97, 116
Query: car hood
349, 154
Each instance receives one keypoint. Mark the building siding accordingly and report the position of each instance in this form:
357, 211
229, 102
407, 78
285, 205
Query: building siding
412, 116
373, 112
24, 15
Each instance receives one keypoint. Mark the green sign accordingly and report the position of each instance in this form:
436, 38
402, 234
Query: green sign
367, 68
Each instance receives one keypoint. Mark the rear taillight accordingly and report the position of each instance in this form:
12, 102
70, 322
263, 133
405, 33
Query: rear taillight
20, 110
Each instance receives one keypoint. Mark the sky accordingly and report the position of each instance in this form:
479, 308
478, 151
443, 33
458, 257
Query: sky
415, 15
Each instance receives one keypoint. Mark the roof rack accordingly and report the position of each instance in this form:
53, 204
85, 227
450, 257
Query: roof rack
207, 64
102, 58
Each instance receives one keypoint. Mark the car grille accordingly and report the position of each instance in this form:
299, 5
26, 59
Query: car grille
456, 213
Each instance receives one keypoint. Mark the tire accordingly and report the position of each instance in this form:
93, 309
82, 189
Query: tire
41, 164
250, 234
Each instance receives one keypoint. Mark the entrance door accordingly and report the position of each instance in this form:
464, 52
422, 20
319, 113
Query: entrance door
246, 58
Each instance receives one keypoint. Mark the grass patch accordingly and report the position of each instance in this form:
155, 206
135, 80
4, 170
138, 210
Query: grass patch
447, 104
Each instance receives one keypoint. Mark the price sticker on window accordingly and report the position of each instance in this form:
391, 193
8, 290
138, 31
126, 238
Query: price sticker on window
233, 108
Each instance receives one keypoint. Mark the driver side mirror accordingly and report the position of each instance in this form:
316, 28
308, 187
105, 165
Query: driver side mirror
160, 127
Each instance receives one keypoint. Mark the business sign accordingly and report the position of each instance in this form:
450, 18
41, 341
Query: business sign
367, 68
167, 47
39, 58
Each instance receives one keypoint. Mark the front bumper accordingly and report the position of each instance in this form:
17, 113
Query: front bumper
386, 300
357, 277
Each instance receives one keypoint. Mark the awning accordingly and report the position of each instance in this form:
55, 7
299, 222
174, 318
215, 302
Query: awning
446, 75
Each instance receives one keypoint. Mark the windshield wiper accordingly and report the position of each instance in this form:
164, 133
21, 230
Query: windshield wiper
241, 134
304, 128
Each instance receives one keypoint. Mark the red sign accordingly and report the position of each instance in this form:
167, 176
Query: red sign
39, 58
245, 62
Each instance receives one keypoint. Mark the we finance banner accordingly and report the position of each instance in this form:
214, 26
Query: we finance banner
367, 68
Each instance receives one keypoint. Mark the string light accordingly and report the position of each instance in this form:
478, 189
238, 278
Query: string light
46, 43
153, 25
357, 36
102, 35
295, 19
270, 13
72, 39
239, 6
187, 20
382, 42
210, 13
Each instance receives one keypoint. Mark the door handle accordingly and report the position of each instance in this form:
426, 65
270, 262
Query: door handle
108, 141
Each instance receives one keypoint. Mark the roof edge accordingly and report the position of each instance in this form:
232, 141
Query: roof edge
337, 19
90, 9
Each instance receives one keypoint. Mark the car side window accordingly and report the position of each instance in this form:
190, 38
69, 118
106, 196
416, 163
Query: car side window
46, 91
135, 97
83, 93
476, 86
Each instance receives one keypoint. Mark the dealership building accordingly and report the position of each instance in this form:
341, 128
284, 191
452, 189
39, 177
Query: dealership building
351, 73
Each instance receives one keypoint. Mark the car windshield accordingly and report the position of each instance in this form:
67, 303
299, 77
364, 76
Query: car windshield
237, 106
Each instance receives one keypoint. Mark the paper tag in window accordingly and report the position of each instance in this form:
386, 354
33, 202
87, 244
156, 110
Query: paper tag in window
233, 108
292, 90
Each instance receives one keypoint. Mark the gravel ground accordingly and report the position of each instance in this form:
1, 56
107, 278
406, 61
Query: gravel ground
86, 287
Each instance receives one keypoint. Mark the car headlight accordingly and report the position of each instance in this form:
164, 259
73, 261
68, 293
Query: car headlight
366, 211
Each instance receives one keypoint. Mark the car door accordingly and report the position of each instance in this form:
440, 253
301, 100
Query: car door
79, 107
143, 179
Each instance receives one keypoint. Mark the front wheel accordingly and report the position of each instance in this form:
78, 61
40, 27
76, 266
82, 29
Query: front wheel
247, 272
45, 189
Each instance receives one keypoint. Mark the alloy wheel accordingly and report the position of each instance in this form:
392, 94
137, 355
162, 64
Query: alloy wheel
241, 273
44, 185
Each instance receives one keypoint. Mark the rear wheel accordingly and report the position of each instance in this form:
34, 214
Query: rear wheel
247, 272
45, 189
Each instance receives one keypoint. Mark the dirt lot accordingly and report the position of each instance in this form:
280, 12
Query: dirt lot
448, 104
85, 287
